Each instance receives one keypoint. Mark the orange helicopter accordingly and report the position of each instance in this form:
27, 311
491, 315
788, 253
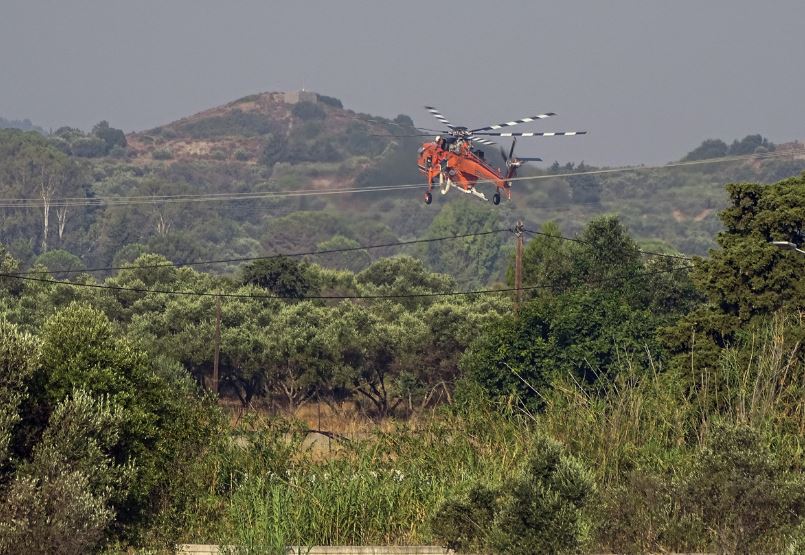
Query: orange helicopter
451, 161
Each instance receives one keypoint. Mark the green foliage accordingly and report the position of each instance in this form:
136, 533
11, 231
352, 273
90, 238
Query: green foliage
283, 276
710, 148
716, 148
331, 101
540, 511
234, 122
751, 144
61, 500
308, 111
584, 189
401, 276
19, 356
470, 260
742, 490
747, 278
22, 125
162, 154
274, 149
109, 135
354, 261
88, 147
161, 423
595, 301
381, 488
57, 260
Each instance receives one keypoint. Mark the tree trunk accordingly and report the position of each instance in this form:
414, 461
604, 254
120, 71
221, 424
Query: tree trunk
47, 186
46, 207
61, 216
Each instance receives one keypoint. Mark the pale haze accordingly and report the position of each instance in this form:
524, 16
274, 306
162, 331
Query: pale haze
648, 80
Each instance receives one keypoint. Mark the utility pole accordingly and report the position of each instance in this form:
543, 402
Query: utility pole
217, 344
518, 265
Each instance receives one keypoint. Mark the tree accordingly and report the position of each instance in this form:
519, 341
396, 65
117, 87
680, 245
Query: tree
60, 263
163, 422
109, 135
308, 111
355, 260
19, 356
405, 277
61, 501
44, 171
750, 144
710, 148
8, 265
285, 277
297, 357
472, 260
584, 189
746, 279
597, 305
371, 351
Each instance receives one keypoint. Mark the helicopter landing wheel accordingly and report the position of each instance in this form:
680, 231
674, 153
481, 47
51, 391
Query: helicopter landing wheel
428, 198
496, 198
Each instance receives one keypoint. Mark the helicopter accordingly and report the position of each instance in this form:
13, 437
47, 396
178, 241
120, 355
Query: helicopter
451, 160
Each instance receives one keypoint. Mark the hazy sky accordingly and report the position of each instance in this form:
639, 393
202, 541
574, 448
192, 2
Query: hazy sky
648, 79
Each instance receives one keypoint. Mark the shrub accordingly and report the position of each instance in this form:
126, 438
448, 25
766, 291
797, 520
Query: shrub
540, 511
60, 501
88, 147
331, 101
743, 492
308, 111
162, 154
242, 155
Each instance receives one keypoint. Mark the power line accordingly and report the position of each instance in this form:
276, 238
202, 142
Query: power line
266, 257
307, 297
262, 195
580, 241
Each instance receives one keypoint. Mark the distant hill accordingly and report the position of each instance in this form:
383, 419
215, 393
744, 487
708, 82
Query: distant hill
267, 128
22, 125
282, 142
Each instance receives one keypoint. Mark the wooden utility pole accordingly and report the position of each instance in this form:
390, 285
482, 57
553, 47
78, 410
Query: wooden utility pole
518, 265
217, 344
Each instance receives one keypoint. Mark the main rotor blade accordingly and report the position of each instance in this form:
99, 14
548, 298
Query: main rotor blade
511, 150
529, 159
482, 141
514, 122
545, 134
438, 115
413, 135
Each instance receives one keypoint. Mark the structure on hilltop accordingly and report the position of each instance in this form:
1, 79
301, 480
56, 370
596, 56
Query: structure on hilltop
295, 97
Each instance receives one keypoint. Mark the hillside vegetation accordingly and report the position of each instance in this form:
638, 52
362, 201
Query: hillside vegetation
636, 400
261, 144
633, 403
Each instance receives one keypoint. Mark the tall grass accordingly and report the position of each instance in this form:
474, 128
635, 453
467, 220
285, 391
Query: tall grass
379, 490
640, 434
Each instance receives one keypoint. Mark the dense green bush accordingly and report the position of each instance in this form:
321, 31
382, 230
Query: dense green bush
235, 122
542, 510
308, 111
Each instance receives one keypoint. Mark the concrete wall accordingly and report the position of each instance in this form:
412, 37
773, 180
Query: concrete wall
294, 97
198, 549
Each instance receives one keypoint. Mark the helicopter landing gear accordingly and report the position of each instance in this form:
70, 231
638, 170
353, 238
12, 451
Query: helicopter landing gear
444, 184
496, 198
428, 198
